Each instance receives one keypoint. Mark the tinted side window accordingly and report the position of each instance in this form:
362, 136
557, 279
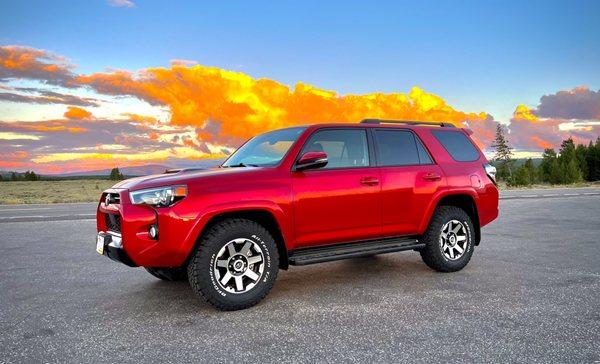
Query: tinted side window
424, 156
396, 148
344, 148
458, 145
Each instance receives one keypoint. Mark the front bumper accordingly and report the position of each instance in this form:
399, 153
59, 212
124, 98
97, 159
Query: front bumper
129, 224
113, 248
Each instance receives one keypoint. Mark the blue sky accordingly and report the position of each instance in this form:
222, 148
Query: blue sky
477, 55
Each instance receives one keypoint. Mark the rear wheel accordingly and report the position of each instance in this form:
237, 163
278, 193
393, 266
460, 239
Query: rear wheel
448, 240
234, 265
169, 274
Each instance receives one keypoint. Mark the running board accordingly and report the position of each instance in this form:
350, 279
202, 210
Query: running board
329, 253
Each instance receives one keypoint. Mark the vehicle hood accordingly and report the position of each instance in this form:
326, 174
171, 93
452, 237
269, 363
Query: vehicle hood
182, 176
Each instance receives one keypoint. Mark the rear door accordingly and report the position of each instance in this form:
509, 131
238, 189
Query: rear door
409, 179
339, 202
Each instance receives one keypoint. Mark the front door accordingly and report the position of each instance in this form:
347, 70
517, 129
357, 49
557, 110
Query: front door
339, 202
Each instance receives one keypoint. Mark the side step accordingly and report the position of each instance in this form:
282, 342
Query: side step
352, 250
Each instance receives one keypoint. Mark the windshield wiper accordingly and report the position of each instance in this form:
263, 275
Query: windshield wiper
241, 165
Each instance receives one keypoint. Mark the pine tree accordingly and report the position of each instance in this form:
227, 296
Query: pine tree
531, 171
115, 175
581, 153
503, 156
14, 177
548, 158
1, 178
568, 161
556, 172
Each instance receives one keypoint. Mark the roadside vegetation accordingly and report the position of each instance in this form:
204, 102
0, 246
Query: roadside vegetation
31, 188
57, 191
577, 165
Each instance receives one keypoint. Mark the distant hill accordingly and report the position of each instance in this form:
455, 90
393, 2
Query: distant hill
126, 171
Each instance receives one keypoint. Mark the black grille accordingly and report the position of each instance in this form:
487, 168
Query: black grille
113, 222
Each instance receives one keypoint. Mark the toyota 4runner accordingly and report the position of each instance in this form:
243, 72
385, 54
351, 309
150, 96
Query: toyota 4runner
304, 195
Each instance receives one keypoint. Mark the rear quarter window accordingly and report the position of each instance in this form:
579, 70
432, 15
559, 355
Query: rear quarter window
457, 145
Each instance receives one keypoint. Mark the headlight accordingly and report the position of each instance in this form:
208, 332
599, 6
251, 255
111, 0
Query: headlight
159, 197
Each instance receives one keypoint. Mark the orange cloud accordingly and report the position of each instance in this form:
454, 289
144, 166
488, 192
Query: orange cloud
143, 119
49, 126
74, 112
32, 63
228, 107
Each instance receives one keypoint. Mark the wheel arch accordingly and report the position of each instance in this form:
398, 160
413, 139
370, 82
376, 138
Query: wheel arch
466, 202
263, 217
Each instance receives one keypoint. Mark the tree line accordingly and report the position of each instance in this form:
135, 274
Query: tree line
115, 175
572, 164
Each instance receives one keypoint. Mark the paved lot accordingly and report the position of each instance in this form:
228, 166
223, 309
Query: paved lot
530, 294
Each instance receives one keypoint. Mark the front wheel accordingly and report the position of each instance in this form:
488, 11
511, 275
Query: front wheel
234, 265
448, 240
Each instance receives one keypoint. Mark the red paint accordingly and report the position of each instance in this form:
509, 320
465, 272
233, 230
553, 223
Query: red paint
311, 207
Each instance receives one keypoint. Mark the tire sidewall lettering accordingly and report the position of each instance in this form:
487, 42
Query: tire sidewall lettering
266, 272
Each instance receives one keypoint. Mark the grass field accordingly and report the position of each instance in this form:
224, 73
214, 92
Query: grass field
27, 192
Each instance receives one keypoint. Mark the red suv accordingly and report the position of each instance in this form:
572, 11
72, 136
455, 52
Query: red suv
304, 195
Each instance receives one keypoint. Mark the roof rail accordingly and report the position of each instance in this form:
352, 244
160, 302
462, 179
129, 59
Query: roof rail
407, 122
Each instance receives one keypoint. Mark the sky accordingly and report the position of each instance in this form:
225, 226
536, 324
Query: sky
94, 84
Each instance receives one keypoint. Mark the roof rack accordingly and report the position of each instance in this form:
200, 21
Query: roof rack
407, 122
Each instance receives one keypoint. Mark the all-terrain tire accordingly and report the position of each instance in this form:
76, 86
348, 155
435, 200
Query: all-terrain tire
436, 252
205, 278
169, 274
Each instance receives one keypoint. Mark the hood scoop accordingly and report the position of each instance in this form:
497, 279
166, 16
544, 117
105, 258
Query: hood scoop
182, 170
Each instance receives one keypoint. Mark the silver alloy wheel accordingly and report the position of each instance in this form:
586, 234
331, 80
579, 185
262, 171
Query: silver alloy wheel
454, 239
239, 265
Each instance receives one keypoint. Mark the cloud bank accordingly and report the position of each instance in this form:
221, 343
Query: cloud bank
212, 110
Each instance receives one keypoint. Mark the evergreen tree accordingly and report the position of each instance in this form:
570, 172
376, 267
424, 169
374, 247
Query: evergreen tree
1, 178
546, 165
525, 175
31, 176
503, 156
115, 175
593, 160
581, 152
556, 172
14, 177
568, 161
571, 171
532, 173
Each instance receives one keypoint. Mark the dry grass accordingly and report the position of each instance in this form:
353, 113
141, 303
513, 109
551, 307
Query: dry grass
52, 191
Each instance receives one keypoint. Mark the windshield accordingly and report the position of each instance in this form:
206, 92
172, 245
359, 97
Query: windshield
264, 150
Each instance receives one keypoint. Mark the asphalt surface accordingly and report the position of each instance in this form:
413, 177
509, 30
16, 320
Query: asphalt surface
531, 293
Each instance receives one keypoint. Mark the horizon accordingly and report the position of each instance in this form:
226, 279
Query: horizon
194, 88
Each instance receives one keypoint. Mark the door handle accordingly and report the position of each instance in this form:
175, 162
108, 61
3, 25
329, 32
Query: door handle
432, 177
369, 181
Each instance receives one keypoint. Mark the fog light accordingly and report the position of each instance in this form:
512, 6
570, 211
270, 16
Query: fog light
153, 232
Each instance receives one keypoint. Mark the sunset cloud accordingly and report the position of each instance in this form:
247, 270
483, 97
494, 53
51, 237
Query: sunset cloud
229, 107
197, 112
46, 98
74, 112
578, 103
31, 63
566, 114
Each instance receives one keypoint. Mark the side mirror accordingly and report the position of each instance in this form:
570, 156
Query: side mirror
311, 160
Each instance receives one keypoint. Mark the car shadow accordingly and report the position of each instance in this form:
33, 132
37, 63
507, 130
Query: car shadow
327, 281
